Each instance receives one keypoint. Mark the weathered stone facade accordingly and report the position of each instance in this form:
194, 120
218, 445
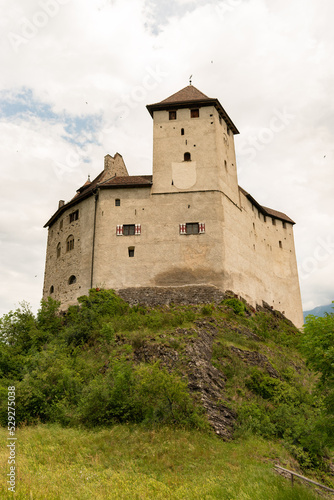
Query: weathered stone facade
188, 224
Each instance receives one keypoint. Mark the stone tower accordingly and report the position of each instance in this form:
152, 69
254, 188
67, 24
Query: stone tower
193, 145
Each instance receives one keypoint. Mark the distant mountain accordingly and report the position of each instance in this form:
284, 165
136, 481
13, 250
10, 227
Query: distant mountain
319, 311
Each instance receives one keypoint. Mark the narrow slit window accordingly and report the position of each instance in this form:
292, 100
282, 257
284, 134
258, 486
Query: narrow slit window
131, 251
182, 131
58, 250
52, 289
280, 244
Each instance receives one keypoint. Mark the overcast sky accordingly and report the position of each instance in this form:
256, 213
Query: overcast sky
76, 76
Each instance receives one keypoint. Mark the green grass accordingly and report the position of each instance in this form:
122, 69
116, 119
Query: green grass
130, 462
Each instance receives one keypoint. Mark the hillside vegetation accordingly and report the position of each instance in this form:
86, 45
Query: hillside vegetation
215, 372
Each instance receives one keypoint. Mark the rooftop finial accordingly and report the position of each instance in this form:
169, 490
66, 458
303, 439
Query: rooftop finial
190, 77
88, 178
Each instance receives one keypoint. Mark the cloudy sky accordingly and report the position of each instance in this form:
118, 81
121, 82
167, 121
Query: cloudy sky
76, 76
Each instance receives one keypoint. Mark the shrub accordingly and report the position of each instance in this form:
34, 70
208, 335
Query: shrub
235, 304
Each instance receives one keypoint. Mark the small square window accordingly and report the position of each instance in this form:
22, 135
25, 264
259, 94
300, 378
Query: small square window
128, 229
131, 251
194, 113
192, 228
172, 115
74, 216
117, 202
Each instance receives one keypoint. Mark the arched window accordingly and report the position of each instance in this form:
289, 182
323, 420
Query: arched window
187, 157
72, 279
52, 289
58, 250
70, 243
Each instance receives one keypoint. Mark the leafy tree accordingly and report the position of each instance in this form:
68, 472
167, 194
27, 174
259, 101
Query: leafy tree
318, 346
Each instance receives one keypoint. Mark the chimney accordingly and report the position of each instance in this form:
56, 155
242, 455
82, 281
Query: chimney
108, 162
61, 204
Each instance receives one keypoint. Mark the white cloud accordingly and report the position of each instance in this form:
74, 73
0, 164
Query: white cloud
104, 61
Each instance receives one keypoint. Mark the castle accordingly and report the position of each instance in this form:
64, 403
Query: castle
187, 224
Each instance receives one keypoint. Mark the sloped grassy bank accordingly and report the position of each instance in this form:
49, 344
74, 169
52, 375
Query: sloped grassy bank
217, 369
129, 462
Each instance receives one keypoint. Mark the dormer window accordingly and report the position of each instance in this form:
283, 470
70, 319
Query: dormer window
194, 113
187, 157
172, 115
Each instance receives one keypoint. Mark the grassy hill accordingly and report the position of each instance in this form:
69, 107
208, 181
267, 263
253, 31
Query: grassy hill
195, 401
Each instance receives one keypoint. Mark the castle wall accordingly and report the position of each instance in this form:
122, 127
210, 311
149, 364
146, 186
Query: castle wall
162, 257
75, 262
239, 250
260, 259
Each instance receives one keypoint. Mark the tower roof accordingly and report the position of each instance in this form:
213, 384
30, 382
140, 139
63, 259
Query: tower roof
190, 96
189, 93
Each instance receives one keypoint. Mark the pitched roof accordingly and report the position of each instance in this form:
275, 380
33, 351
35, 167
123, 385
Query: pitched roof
129, 181
189, 93
190, 96
265, 210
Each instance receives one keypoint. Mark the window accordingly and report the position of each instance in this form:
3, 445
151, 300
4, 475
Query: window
182, 131
52, 289
284, 225
61, 224
70, 243
192, 228
72, 279
74, 216
273, 221
117, 202
194, 113
58, 250
220, 119
172, 115
187, 157
129, 229
280, 244
225, 164
131, 251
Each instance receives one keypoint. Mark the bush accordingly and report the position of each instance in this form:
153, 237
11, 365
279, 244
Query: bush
235, 304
